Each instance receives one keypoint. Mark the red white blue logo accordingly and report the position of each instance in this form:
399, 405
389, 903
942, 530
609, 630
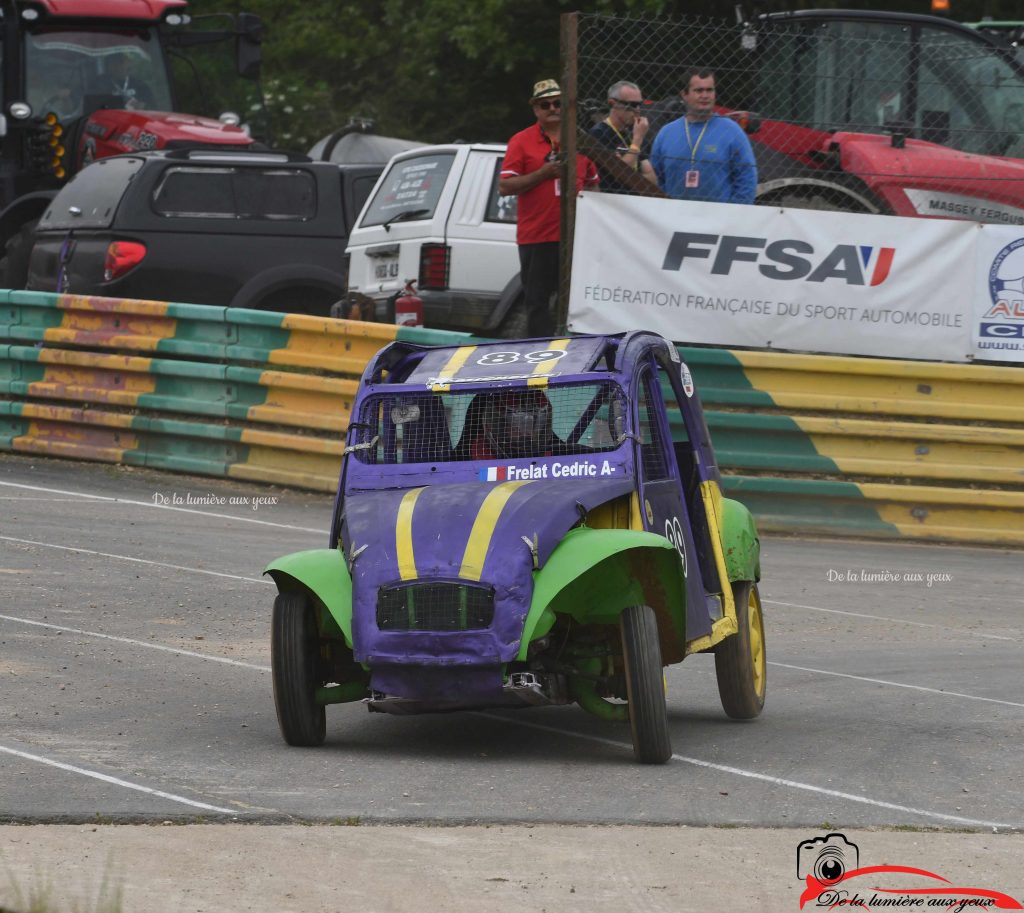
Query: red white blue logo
1006, 282
494, 474
883, 262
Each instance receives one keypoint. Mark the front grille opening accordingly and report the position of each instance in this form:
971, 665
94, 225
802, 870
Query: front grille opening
435, 607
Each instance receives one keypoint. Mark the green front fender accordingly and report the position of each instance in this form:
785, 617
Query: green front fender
740, 542
593, 574
324, 573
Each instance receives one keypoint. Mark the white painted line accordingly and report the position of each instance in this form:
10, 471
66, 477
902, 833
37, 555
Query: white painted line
902, 621
24, 500
882, 681
173, 567
233, 662
116, 781
186, 510
136, 643
766, 778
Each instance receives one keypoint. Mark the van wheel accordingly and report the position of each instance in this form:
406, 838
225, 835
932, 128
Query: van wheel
295, 660
645, 685
740, 663
516, 323
17, 252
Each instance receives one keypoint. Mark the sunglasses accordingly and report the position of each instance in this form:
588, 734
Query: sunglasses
632, 105
544, 104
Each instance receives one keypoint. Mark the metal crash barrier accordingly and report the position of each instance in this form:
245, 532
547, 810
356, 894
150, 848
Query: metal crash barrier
812, 444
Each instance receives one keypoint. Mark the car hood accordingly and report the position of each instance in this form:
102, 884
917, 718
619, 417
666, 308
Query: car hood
476, 532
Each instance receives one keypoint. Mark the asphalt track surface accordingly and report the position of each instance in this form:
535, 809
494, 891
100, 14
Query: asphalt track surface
134, 667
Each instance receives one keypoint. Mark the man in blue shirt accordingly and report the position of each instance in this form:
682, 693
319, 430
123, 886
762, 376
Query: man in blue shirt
702, 155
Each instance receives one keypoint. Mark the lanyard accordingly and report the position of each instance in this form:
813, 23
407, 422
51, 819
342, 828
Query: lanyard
690, 143
554, 144
625, 142
622, 139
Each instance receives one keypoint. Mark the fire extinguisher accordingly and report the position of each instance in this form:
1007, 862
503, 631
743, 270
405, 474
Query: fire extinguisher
409, 307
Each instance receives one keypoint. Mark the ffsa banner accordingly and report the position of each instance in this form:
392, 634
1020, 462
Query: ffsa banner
796, 279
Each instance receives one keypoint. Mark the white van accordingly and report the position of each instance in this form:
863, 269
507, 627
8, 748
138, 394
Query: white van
435, 217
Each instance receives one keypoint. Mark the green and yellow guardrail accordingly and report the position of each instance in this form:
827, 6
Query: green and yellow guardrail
813, 444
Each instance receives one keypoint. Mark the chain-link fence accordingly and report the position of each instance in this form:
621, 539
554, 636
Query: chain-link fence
866, 112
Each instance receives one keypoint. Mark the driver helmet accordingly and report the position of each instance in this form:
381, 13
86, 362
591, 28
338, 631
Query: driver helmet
520, 424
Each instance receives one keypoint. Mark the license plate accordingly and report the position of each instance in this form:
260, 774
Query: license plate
388, 269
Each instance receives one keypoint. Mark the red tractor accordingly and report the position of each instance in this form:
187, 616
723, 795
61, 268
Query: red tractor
887, 112
861, 111
86, 79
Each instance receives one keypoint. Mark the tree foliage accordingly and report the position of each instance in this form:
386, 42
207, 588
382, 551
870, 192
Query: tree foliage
439, 70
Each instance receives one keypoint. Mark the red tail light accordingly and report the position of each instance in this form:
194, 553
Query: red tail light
121, 257
434, 263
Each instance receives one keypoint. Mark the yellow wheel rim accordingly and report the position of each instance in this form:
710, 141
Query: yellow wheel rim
755, 626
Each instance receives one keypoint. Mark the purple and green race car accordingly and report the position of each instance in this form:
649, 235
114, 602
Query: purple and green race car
522, 523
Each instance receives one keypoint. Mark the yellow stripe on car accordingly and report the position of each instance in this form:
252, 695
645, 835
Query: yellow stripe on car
543, 368
711, 495
483, 529
403, 534
459, 357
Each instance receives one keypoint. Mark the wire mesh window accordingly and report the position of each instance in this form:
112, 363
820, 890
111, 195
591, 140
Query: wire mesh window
510, 423
652, 442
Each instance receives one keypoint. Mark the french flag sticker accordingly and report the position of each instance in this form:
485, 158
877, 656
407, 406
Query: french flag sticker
493, 474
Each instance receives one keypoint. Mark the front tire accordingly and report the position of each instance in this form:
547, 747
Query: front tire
295, 654
740, 662
645, 685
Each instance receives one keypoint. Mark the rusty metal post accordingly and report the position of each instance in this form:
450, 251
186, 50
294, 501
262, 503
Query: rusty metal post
568, 38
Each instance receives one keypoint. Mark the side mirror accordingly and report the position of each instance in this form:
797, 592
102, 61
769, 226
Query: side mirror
248, 50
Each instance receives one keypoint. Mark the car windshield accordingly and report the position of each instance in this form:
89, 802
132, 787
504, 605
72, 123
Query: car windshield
506, 423
410, 186
73, 72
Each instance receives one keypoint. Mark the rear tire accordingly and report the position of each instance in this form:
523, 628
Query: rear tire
516, 323
645, 685
295, 654
314, 302
740, 659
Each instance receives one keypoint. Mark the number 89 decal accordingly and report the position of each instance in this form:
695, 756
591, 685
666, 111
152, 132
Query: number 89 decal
507, 358
674, 534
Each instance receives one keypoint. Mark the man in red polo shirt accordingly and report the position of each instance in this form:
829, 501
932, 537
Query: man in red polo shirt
532, 171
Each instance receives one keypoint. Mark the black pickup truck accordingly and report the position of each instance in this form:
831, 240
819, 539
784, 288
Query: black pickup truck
240, 229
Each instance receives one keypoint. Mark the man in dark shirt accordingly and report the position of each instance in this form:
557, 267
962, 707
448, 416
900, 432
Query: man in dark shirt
624, 130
